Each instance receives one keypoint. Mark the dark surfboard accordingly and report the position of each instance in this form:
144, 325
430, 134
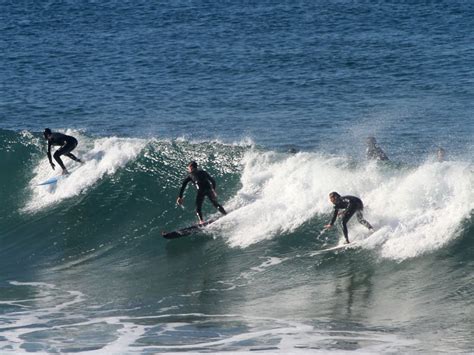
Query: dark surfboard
186, 231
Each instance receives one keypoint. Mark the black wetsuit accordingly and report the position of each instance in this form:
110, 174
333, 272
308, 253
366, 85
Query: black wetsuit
376, 153
67, 144
351, 205
205, 185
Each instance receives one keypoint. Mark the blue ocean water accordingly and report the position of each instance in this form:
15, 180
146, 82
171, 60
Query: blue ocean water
312, 71
275, 100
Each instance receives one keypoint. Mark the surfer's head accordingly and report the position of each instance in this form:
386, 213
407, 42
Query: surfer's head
192, 166
441, 154
47, 132
334, 196
371, 140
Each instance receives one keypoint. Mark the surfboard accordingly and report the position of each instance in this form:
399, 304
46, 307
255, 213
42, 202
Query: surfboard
342, 246
351, 245
187, 230
50, 181
55, 179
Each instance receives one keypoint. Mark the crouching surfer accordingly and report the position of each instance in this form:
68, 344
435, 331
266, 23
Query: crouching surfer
349, 205
67, 144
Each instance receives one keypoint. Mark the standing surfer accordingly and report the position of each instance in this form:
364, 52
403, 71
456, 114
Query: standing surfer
205, 185
67, 144
350, 205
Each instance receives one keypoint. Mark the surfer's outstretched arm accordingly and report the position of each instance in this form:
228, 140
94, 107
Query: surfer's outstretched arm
49, 155
334, 216
181, 191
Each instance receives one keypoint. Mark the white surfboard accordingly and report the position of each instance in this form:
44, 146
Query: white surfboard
351, 245
50, 181
55, 179
342, 246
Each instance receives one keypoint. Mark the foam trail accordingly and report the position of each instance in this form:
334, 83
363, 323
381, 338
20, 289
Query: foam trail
279, 194
415, 210
423, 209
102, 157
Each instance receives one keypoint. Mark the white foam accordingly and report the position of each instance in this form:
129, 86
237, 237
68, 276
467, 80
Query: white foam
276, 197
268, 263
243, 142
102, 156
54, 313
288, 337
423, 209
414, 209
19, 323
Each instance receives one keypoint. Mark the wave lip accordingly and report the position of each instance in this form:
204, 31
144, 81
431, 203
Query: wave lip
101, 156
415, 209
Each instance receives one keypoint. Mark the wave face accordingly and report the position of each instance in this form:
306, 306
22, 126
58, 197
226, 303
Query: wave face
89, 248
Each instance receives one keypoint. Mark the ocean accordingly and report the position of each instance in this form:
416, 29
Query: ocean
275, 100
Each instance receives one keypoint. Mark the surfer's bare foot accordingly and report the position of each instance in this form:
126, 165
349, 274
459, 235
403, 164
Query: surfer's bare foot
202, 222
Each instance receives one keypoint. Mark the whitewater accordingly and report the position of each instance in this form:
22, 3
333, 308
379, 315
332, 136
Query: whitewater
102, 225
416, 209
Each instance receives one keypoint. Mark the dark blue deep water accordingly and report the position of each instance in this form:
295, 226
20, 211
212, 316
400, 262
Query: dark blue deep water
275, 100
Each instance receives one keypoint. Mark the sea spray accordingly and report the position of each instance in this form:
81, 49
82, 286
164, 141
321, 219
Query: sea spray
416, 209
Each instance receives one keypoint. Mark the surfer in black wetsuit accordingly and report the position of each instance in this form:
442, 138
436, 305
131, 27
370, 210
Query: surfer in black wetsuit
440, 154
374, 152
67, 144
350, 205
205, 185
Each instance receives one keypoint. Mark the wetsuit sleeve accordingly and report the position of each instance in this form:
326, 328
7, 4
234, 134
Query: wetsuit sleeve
49, 152
183, 186
334, 216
